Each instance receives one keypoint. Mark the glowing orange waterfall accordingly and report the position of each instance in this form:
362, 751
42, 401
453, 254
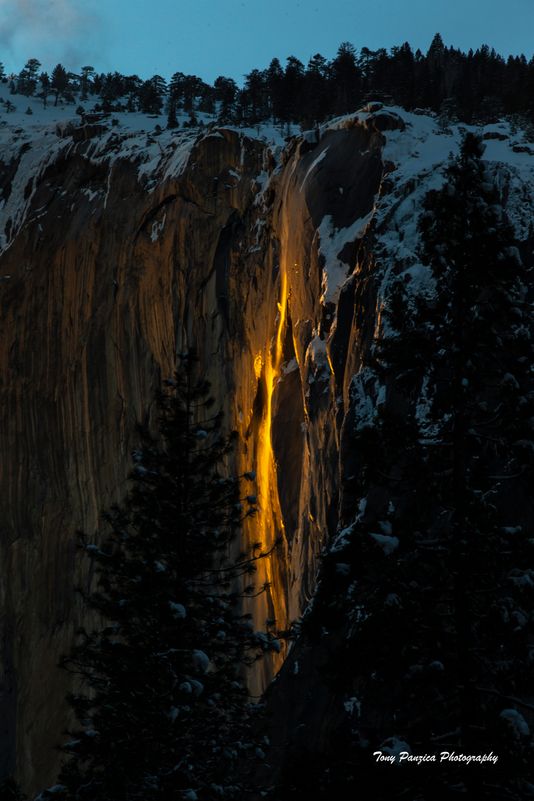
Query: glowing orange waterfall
267, 480
268, 523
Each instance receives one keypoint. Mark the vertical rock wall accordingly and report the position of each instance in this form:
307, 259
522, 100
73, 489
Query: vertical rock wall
105, 287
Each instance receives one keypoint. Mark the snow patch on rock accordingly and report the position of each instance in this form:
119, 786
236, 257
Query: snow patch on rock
331, 243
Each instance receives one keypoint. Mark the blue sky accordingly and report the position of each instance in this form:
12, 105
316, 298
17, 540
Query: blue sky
230, 37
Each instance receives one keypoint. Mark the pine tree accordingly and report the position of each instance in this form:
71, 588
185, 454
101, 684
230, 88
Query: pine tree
59, 81
27, 80
10, 791
345, 78
288, 89
254, 91
45, 87
461, 588
151, 95
274, 79
191, 87
431, 587
172, 120
85, 80
403, 75
316, 89
112, 87
176, 87
482, 405
163, 710
225, 94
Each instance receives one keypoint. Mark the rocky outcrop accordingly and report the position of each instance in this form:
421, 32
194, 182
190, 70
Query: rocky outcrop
100, 297
111, 273
121, 251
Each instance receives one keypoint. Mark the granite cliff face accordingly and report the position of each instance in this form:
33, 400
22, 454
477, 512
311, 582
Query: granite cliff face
119, 252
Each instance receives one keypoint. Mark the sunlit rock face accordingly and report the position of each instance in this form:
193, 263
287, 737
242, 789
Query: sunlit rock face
390, 164
109, 278
332, 180
118, 253
114, 266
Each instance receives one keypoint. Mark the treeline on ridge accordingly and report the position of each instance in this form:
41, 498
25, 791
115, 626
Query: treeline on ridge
478, 86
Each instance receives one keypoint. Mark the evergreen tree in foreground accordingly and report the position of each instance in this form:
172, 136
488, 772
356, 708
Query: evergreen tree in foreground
172, 120
59, 82
163, 710
10, 791
431, 588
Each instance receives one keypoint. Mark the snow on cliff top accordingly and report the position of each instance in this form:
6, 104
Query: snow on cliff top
421, 151
36, 137
416, 155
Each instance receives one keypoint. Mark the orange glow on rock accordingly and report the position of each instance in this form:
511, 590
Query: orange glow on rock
268, 522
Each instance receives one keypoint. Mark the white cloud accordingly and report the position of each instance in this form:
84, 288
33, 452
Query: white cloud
51, 30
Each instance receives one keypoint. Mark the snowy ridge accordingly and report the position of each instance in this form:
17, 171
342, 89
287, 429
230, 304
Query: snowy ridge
415, 155
33, 159
33, 139
157, 159
332, 241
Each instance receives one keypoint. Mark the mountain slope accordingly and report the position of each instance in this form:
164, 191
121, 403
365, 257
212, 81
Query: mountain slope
120, 248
